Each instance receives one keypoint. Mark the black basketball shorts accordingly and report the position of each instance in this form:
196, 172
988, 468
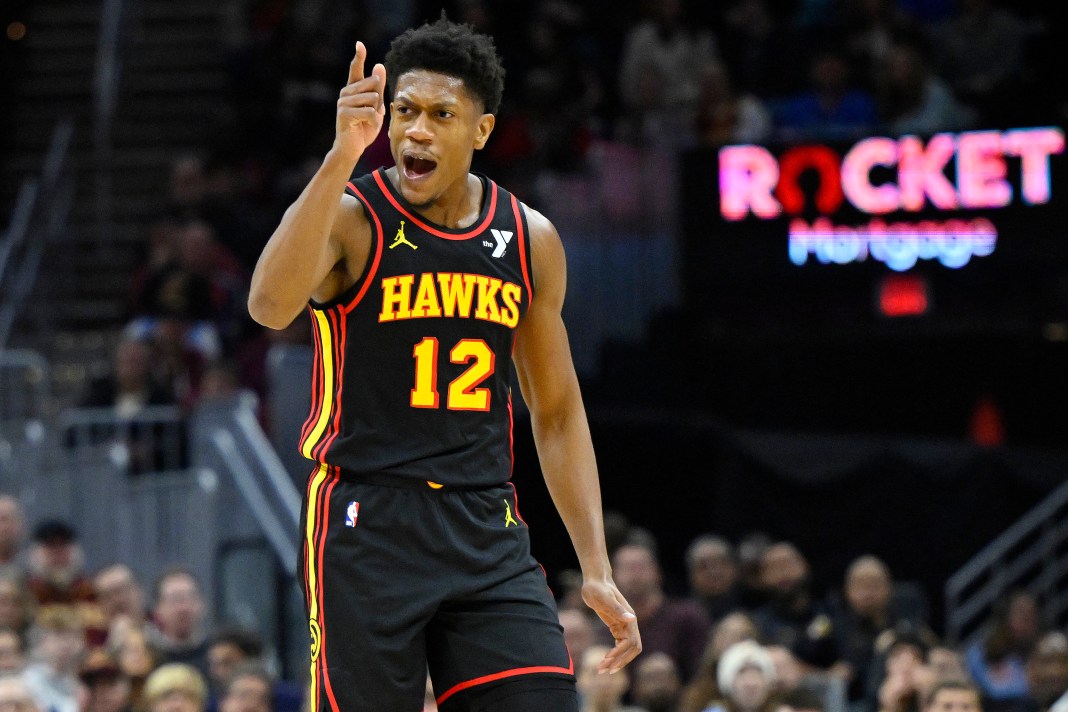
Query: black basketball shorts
403, 576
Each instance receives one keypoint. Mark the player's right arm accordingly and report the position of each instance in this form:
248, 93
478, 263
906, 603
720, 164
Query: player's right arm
321, 245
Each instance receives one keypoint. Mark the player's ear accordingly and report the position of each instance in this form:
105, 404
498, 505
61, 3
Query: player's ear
486, 123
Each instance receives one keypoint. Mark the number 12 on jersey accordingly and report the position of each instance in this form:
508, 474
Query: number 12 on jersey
463, 392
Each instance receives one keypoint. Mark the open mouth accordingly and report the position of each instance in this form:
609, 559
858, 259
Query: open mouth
416, 167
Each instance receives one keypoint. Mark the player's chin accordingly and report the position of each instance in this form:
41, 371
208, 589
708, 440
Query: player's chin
418, 194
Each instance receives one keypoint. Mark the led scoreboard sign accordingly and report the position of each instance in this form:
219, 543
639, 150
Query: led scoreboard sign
891, 200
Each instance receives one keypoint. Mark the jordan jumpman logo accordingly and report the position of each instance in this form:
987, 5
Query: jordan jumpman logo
400, 239
508, 518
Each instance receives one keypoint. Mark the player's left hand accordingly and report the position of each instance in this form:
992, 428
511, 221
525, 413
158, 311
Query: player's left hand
606, 600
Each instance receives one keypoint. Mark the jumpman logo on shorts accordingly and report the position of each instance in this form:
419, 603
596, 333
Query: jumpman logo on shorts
400, 239
508, 518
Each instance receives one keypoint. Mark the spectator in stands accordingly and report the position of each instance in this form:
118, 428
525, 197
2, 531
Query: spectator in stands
57, 566
726, 116
997, 662
57, 641
193, 307
907, 680
201, 255
866, 612
713, 576
107, 689
12, 530
179, 618
136, 382
659, 75
831, 108
176, 687
120, 596
17, 604
597, 692
248, 689
12, 652
16, 696
676, 627
1047, 671
175, 318
912, 100
229, 648
746, 678
657, 687
174, 293
703, 688
906, 637
132, 383
232, 647
793, 618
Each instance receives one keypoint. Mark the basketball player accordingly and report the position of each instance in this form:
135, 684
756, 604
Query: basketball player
425, 283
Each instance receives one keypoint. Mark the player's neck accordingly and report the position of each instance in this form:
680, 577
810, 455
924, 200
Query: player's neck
457, 207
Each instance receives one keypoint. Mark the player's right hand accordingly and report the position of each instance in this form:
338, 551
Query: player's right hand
608, 603
361, 107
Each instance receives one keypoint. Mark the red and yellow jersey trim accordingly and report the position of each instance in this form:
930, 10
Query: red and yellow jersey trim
320, 486
459, 687
477, 229
329, 333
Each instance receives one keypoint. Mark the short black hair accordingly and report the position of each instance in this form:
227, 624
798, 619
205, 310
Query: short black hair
54, 531
454, 49
244, 639
248, 669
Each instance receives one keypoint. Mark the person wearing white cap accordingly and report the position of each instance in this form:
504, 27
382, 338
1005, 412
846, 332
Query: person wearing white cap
746, 676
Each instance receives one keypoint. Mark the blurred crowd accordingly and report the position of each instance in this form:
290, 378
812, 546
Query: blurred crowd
581, 76
748, 634
746, 631
79, 640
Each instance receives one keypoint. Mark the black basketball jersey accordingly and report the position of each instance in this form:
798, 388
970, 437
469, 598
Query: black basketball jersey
412, 374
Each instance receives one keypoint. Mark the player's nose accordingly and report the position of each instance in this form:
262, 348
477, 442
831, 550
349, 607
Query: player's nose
419, 129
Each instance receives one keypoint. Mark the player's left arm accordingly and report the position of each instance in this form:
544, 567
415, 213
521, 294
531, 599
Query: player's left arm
562, 435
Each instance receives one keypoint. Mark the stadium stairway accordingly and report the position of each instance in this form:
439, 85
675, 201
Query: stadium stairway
171, 78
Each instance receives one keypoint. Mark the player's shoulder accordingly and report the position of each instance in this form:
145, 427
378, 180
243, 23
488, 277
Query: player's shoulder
352, 226
540, 228
353, 214
360, 188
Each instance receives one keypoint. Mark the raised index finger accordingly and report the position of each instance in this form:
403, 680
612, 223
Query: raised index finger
356, 65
